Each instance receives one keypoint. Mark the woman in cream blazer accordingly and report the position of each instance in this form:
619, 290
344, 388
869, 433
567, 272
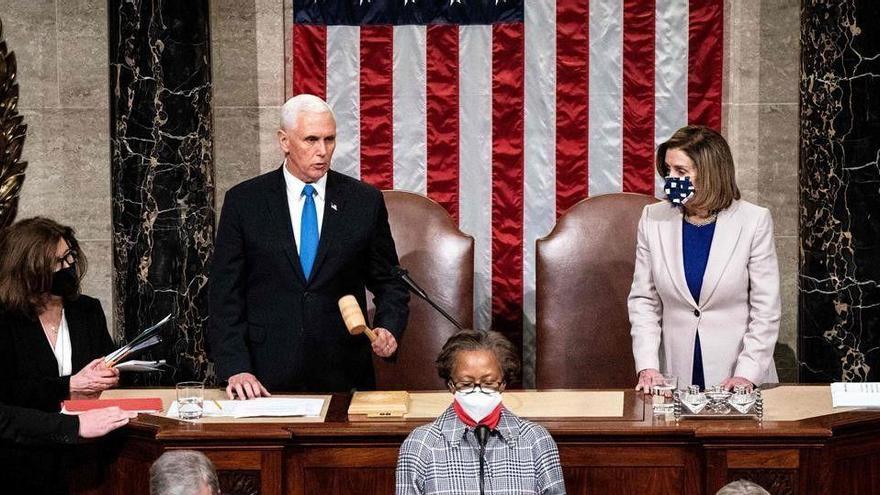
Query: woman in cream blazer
705, 292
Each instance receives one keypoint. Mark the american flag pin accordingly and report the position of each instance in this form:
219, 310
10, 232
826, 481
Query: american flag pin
333, 206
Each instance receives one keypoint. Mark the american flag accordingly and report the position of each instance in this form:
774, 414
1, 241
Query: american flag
508, 112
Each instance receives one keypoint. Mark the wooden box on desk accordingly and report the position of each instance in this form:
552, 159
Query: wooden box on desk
373, 406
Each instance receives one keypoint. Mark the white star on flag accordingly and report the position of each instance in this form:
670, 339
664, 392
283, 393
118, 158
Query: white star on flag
406, 2
452, 2
362, 1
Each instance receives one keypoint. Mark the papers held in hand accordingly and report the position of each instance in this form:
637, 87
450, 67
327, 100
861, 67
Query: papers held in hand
141, 366
144, 340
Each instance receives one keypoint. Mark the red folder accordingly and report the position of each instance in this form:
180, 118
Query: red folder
145, 404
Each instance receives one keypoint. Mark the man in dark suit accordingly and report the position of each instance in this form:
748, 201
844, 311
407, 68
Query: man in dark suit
290, 243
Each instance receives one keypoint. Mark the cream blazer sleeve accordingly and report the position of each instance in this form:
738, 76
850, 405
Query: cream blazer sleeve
644, 304
765, 305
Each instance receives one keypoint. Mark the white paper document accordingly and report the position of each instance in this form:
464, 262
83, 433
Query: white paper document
261, 407
855, 394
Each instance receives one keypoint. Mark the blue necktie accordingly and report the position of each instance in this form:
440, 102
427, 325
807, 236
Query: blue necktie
308, 232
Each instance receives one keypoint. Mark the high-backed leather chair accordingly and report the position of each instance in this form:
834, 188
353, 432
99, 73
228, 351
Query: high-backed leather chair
584, 273
440, 258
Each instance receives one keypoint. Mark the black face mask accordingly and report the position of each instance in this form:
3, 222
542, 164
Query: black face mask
65, 282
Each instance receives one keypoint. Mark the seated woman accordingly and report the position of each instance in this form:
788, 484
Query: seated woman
518, 456
706, 281
47, 331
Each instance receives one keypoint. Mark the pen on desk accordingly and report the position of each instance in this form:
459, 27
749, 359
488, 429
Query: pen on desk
217, 404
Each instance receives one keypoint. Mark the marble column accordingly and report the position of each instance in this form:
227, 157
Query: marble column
162, 175
839, 301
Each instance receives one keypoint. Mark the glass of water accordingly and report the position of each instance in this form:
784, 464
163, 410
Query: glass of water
663, 392
190, 397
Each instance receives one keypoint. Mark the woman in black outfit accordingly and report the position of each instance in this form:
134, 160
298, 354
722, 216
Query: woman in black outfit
52, 340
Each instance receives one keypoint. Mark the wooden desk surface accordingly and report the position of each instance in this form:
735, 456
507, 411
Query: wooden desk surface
637, 420
636, 453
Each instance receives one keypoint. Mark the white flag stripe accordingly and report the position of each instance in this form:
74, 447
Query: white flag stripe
475, 159
606, 97
410, 109
343, 95
671, 70
539, 201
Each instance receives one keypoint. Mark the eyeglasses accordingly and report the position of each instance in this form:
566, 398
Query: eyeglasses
471, 387
69, 257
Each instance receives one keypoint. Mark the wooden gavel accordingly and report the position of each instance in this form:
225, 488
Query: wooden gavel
354, 317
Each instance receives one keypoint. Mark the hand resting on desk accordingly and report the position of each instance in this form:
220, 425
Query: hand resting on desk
245, 386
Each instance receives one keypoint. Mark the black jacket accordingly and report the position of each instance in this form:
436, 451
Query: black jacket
29, 378
28, 368
266, 319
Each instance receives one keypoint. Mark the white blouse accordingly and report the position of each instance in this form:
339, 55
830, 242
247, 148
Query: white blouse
62, 348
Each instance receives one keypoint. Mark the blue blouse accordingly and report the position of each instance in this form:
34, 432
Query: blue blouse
696, 243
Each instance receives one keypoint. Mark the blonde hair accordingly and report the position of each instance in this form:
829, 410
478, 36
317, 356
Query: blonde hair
715, 171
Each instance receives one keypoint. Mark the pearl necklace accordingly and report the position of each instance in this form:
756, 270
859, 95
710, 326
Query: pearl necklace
701, 223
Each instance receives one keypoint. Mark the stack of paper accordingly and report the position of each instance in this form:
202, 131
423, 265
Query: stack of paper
261, 407
144, 340
855, 394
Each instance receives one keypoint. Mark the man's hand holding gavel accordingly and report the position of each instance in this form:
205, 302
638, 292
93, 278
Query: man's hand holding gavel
383, 342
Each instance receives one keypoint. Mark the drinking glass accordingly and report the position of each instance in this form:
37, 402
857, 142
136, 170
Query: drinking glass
190, 398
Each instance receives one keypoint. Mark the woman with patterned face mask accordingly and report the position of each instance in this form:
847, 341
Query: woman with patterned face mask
476, 445
52, 340
706, 280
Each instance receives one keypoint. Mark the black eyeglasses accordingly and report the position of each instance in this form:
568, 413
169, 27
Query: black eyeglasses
69, 257
471, 387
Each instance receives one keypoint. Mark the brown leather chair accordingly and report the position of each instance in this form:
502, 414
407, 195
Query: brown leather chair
584, 273
440, 258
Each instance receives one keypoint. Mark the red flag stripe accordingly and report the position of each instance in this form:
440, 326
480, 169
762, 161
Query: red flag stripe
310, 60
507, 178
572, 102
638, 96
705, 62
377, 121
442, 115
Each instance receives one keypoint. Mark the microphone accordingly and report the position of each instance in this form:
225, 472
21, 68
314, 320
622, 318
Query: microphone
401, 273
482, 433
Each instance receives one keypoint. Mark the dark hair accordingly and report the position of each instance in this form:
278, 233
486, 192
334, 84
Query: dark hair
27, 262
475, 340
714, 163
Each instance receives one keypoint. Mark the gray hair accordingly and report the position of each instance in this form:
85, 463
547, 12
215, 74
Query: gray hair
182, 472
302, 103
742, 487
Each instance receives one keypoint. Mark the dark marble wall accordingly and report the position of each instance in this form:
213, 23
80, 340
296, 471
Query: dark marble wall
162, 175
839, 303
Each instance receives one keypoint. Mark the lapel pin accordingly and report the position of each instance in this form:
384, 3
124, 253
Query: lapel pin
333, 206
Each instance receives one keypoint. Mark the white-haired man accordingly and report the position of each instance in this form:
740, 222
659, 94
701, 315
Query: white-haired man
183, 472
289, 244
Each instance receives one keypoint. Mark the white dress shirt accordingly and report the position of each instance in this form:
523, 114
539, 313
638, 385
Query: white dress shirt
296, 201
62, 348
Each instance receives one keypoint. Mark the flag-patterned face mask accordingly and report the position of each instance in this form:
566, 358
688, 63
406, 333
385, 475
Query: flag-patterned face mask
678, 190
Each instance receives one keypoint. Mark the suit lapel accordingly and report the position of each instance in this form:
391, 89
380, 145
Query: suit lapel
727, 231
669, 231
279, 214
331, 227
31, 332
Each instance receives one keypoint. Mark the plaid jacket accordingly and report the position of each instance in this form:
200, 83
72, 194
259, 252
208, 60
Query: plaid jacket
444, 458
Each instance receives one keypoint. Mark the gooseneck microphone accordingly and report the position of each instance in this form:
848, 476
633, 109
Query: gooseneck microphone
482, 433
401, 273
